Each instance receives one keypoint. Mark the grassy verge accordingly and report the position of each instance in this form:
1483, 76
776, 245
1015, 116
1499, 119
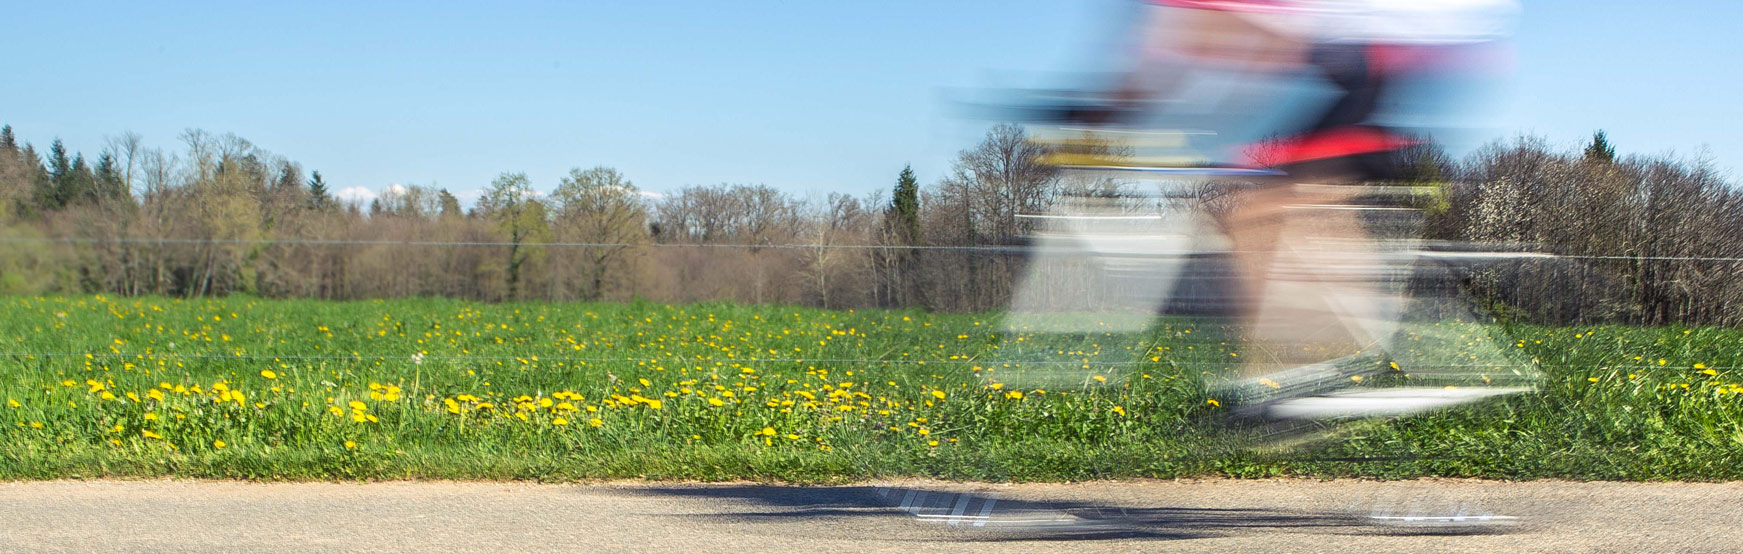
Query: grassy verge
428, 388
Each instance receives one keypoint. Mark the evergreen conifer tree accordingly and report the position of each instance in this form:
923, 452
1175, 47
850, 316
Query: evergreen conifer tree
108, 178
81, 185
905, 205
450, 205
319, 198
1600, 150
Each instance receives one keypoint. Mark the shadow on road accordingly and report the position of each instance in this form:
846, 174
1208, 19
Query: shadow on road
979, 516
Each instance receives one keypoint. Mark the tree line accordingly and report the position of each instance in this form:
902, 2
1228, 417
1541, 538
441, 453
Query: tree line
221, 215
1644, 239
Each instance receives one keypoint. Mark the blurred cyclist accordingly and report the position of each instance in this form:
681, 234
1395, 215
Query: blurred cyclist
1362, 48
1318, 319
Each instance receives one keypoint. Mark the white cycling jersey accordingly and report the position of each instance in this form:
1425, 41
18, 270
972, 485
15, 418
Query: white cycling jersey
1373, 21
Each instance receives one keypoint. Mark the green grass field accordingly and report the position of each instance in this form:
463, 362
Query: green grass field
427, 388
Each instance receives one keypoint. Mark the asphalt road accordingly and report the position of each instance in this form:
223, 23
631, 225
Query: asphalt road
906, 516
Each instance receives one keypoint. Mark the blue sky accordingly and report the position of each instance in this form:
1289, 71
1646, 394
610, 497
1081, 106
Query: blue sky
810, 97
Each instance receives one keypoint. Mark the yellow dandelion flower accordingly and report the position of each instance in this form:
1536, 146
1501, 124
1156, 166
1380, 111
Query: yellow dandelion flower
1120, 410
36, 425
1213, 402
1014, 395
12, 403
218, 444
350, 444
269, 374
1100, 379
559, 421
938, 394
716, 402
358, 405
595, 422
149, 416
768, 431
1699, 365
150, 435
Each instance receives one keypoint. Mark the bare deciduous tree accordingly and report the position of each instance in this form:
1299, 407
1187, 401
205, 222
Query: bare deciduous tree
600, 207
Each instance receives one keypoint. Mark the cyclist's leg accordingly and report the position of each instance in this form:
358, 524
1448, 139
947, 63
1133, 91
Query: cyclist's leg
1307, 264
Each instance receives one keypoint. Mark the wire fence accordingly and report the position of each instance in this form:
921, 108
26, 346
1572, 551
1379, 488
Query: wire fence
1499, 253
419, 359
414, 358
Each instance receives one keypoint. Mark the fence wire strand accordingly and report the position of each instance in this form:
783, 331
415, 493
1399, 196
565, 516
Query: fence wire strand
728, 246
